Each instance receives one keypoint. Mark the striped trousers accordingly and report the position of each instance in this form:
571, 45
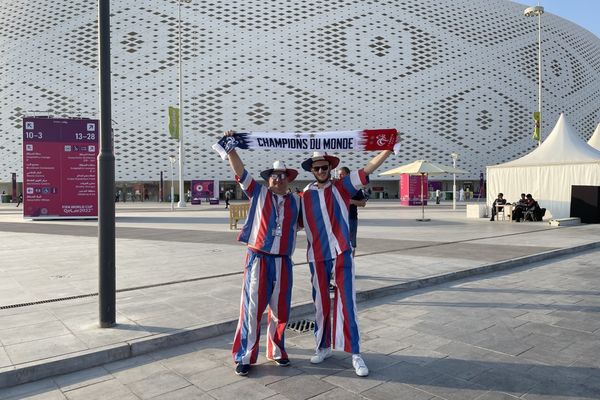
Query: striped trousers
346, 335
267, 282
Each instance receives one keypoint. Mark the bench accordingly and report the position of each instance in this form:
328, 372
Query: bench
237, 212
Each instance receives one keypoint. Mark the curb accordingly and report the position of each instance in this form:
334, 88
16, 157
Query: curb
77, 361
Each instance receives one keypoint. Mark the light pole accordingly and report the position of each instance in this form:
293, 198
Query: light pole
454, 158
172, 159
181, 158
537, 11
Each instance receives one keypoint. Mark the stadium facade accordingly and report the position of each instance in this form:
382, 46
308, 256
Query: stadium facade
452, 76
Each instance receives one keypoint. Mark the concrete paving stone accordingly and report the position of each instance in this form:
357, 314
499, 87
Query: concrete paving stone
268, 372
44, 348
89, 331
128, 373
433, 340
50, 395
25, 318
82, 378
506, 322
382, 346
451, 388
465, 369
392, 331
250, 389
186, 393
549, 355
300, 387
190, 364
584, 322
560, 391
4, 359
216, 378
551, 330
168, 322
327, 368
106, 390
337, 394
28, 389
347, 380
157, 384
218, 348
140, 310
418, 355
510, 346
33, 332
491, 395
410, 374
395, 390
535, 316
505, 380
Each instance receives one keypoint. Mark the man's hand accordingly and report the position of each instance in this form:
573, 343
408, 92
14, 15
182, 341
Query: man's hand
235, 162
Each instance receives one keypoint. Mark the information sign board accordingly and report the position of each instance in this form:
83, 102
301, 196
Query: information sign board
60, 168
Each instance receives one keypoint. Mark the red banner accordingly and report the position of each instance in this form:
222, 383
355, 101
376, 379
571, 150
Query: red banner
60, 168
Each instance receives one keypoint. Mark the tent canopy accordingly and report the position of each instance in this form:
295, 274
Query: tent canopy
562, 146
548, 172
595, 139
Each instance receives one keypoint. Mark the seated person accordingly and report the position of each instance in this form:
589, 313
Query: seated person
534, 212
500, 201
519, 208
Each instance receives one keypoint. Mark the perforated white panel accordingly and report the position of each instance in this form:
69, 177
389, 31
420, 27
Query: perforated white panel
452, 76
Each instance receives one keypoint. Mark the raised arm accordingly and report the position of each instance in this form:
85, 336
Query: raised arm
377, 161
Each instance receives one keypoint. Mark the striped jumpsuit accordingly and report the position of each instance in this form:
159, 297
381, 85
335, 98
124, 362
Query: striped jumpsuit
329, 253
268, 270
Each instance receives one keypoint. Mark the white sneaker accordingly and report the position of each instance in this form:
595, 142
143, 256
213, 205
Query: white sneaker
359, 365
321, 355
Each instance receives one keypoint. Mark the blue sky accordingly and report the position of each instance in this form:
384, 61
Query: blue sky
585, 13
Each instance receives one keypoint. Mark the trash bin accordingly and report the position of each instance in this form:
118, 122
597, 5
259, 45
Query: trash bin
448, 195
6, 198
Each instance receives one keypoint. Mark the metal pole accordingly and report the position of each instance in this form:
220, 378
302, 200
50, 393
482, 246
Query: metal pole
454, 158
181, 180
540, 74
160, 188
172, 189
106, 177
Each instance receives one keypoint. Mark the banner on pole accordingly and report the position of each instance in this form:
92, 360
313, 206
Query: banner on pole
536, 127
174, 123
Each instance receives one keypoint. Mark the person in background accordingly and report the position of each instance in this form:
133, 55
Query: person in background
500, 201
519, 208
438, 194
227, 198
358, 200
19, 199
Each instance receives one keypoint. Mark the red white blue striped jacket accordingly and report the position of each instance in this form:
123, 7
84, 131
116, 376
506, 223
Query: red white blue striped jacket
325, 215
262, 218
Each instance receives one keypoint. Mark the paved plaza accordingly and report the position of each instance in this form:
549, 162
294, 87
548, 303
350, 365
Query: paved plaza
179, 277
529, 333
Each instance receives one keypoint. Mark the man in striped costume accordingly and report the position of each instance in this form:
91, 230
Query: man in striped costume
325, 219
270, 234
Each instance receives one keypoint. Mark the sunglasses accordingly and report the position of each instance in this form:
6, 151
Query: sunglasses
321, 168
281, 176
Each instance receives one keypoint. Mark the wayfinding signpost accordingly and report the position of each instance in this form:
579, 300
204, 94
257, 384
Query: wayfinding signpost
59, 168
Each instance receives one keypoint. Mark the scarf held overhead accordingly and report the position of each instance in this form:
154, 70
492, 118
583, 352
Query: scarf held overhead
366, 140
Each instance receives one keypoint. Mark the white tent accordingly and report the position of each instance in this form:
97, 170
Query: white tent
548, 172
595, 139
